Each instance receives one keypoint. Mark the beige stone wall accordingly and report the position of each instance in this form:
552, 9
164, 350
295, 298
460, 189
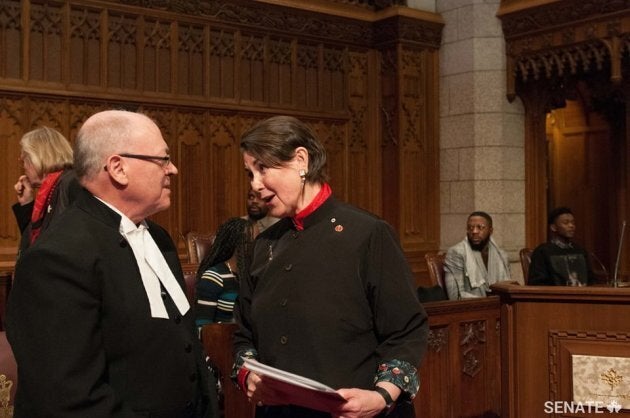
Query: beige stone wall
481, 133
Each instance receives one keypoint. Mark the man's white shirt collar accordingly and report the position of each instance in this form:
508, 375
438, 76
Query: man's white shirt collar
152, 265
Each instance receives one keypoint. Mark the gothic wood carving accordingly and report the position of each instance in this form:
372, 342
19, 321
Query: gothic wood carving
206, 71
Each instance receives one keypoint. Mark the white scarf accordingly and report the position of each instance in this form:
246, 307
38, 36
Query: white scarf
476, 270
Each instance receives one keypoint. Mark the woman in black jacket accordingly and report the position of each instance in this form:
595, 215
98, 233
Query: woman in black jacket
329, 294
46, 157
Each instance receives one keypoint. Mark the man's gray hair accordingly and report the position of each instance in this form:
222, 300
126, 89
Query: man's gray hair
103, 134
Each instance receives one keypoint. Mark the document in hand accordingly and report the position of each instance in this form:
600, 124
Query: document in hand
296, 389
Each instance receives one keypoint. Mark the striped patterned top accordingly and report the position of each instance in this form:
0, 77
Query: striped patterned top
216, 293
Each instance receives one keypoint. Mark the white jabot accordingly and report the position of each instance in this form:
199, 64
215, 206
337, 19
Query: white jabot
153, 269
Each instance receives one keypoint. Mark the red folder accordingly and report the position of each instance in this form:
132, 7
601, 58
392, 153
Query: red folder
295, 389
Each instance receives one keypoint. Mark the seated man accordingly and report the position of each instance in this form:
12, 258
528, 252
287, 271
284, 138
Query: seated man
560, 261
257, 213
475, 263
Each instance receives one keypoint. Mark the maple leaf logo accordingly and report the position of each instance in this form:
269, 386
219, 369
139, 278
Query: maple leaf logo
614, 406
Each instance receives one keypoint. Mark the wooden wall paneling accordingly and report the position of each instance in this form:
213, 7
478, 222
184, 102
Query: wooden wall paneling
536, 182
252, 78
122, 63
389, 134
46, 46
581, 168
192, 158
157, 63
11, 39
205, 73
280, 77
12, 122
190, 61
364, 150
333, 79
410, 142
333, 136
625, 175
307, 76
228, 186
86, 27
222, 65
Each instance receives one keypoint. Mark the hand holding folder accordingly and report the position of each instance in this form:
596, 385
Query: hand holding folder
297, 390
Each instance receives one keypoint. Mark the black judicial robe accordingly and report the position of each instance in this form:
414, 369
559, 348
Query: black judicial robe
80, 326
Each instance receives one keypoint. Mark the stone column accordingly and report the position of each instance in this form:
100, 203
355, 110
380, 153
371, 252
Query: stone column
481, 133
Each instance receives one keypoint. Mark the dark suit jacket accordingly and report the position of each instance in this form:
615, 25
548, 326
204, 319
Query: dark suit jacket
65, 192
80, 325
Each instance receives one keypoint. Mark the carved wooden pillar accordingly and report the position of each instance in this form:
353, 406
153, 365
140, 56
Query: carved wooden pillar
535, 102
409, 132
624, 189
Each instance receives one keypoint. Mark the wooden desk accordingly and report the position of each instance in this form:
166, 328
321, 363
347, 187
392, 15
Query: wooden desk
543, 328
461, 373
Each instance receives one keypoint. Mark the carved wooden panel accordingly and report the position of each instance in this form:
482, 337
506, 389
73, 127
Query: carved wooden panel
206, 71
583, 320
563, 344
11, 39
460, 374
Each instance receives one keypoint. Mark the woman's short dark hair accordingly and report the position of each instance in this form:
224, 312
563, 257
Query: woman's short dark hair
273, 142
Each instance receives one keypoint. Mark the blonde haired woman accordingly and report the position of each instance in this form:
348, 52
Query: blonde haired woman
46, 156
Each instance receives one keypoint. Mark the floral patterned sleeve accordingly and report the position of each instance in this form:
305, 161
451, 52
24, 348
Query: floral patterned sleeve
400, 373
239, 373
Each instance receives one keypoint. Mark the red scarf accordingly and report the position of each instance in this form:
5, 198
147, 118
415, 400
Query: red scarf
324, 193
42, 203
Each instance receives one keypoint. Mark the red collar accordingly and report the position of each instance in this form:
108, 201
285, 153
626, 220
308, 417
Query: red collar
324, 193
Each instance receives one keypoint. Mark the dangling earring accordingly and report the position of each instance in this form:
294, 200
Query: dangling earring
302, 173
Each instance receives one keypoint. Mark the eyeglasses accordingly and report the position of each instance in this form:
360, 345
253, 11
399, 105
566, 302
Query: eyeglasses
480, 227
163, 161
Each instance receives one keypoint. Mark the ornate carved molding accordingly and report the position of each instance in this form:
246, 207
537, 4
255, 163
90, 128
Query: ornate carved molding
438, 338
585, 57
554, 39
308, 23
407, 30
269, 18
184, 6
473, 335
518, 20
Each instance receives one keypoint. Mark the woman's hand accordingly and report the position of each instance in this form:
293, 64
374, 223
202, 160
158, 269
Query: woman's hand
360, 403
24, 190
260, 394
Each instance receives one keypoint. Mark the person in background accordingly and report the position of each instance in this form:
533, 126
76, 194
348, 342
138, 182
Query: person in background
217, 277
329, 294
257, 213
560, 261
217, 286
476, 262
98, 318
46, 157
